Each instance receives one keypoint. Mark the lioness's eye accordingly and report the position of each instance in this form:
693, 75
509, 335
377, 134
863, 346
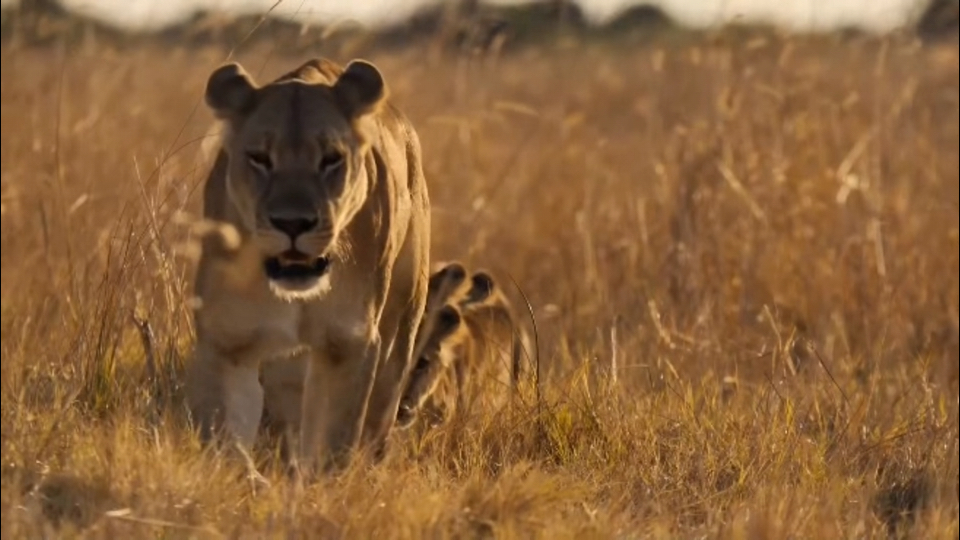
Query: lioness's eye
330, 161
260, 160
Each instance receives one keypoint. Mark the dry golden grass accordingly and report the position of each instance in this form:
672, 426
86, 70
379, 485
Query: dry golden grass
742, 260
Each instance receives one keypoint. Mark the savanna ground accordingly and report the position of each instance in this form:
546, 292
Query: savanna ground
741, 257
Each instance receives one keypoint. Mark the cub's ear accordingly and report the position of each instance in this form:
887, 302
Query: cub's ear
448, 321
360, 89
453, 273
445, 281
481, 288
230, 91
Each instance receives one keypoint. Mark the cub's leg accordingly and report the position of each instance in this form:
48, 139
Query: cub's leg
438, 325
424, 378
460, 376
430, 365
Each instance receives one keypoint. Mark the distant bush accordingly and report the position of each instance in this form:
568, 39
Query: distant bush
941, 18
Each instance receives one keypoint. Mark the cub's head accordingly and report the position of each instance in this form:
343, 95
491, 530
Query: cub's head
441, 318
463, 323
296, 150
452, 296
451, 284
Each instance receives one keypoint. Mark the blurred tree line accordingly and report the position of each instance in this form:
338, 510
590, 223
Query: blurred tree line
463, 26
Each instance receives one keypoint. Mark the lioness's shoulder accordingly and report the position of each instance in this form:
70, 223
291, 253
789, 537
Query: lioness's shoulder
315, 70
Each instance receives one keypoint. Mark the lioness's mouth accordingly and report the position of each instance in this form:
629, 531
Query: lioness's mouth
292, 265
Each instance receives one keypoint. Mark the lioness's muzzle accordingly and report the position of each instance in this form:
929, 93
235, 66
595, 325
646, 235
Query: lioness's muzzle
292, 265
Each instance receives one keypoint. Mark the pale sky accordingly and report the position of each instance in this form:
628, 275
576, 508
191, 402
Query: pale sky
799, 14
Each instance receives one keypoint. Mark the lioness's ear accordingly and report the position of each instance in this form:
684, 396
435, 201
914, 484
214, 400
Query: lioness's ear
360, 88
482, 286
230, 91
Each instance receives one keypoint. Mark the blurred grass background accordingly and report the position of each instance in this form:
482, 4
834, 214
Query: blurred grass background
740, 247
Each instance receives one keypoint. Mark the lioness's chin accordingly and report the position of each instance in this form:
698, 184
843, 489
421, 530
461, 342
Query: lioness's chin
298, 279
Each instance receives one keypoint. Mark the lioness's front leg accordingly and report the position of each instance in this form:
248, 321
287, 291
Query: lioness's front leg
222, 384
391, 378
283, 382
224, 394
339, 380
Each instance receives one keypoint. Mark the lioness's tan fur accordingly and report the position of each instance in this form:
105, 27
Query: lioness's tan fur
282, 380
321, 148
471, 348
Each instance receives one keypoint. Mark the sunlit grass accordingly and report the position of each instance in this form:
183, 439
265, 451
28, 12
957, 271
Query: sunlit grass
742, 259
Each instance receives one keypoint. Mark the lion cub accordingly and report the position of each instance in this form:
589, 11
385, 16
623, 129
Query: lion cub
474, 340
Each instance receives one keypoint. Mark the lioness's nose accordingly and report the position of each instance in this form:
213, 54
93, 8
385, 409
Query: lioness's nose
293, 227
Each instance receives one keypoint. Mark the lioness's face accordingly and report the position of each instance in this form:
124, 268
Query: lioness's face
296, 170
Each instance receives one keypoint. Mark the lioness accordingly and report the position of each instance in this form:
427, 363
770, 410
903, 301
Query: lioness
476, 337
322, 178
282, 380
469, 348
